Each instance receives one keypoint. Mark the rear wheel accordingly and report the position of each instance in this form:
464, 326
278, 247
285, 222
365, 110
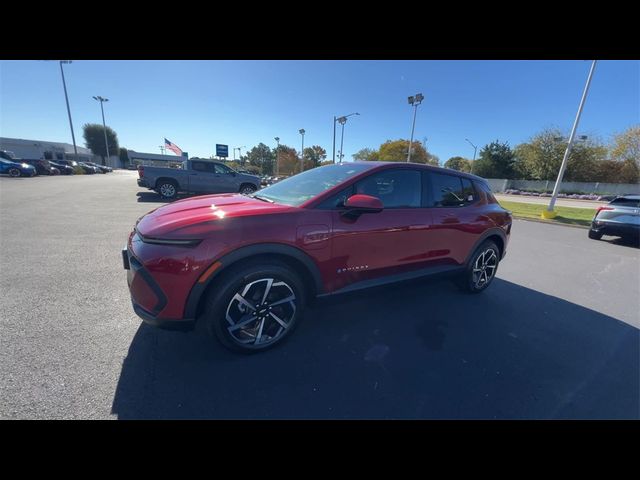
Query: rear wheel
167, 189
595, 235
481, 269
14, 172
256, 307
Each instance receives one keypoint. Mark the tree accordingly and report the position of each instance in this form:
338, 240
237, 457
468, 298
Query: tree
314, 156
396, 151
93, 134
289, 163
626, 146
458, 163
261, 156
496, 161
366, 154
124, 157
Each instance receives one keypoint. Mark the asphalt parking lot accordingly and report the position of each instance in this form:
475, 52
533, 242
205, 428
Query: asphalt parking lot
556, 336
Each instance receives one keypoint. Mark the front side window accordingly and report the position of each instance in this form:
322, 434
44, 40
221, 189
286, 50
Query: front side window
395, 188
221, 168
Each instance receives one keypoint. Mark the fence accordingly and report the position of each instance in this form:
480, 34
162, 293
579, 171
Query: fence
501, 184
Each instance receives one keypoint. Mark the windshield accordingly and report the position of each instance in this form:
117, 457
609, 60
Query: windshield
298, 189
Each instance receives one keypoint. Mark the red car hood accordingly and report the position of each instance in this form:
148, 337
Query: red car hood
186, 218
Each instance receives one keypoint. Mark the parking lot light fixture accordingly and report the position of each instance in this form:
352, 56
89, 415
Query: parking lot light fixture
549, 212
414, 101
277, 139
104, 125
342, 121
66, 98
302, 132
475, 149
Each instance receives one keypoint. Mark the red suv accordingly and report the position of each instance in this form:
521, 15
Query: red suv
247, 264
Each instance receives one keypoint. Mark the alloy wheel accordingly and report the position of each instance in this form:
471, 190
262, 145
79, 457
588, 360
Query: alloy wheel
167, 190
260, 312
14, 172
484, 268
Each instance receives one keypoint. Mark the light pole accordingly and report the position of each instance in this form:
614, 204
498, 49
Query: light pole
102, 100
414, 101
342, 121
277, 139
161, 149
66, 97
549, 212
475, 149
239, 153
302, 132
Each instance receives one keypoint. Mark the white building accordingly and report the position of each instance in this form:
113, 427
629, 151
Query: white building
155, 159
46, 150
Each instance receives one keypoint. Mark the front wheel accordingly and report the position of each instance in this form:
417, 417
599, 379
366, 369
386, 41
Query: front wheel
482, 268
247, 189
256, 307
14, 172
167, 190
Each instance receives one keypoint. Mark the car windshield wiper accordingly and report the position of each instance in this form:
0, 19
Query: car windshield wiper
264, 199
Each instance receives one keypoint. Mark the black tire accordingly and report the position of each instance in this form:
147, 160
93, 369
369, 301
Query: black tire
167, 189
247, 188
594, 235
471, 280
14, 172
224, 309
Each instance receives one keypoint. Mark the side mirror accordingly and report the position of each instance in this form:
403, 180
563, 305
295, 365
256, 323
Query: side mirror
360, 203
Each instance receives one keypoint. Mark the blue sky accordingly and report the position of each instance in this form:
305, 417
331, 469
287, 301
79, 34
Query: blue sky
197, 104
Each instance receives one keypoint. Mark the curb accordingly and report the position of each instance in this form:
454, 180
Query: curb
547, 222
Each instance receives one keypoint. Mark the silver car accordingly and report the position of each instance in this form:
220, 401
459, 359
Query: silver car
620, 218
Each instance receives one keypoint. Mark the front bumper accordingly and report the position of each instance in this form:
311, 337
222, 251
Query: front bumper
145, 291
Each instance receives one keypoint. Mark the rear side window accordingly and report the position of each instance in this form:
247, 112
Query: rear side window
202, 166
447, 190
487, 190
625, 202
395, 188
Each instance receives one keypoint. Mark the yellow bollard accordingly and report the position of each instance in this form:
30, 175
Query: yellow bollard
546, 214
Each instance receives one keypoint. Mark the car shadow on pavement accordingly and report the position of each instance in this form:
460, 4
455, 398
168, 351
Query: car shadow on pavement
625, 242
416, 350
153, 197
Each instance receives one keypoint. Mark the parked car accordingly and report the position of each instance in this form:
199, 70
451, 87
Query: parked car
16, 169
88, 169
196, 176
101, 168
63, 169
43, 167
620, 218
246, 265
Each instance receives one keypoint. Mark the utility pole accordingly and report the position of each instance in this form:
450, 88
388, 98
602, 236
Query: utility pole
66, 97
104, 125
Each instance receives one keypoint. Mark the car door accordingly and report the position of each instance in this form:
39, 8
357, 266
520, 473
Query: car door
375, 245
202, 177
226, 179
457, 217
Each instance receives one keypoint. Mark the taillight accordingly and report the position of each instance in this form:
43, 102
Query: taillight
603, 208
141, 171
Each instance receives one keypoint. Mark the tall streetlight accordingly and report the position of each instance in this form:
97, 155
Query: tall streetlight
239, 152
66, 97
414, 101
104, 125
302, 132
342, 121
475, 149
277, 139
549, 212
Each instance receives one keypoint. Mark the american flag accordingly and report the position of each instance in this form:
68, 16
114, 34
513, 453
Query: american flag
173, 147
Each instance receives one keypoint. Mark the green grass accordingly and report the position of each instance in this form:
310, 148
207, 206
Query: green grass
570, 215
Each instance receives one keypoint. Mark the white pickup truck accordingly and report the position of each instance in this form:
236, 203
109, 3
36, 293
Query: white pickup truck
196, 176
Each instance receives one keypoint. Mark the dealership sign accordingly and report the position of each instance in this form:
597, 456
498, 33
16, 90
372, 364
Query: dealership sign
222, 150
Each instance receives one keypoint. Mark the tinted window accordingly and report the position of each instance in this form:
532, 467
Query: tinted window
48, 156
469, 193
337, 200
447, 190
221, 168
395, 188
625, 202
202, 166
